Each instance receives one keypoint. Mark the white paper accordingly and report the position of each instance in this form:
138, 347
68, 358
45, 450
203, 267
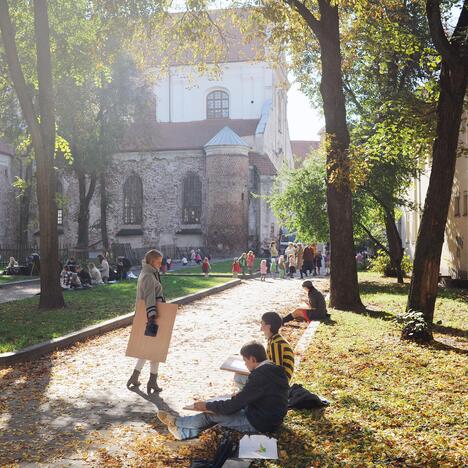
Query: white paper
258, 446
235, 364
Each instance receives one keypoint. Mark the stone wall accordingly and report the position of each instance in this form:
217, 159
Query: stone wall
227, 203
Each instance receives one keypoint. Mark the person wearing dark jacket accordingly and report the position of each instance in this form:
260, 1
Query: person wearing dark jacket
259, 407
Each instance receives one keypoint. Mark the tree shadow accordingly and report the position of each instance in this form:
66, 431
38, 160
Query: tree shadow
439, 346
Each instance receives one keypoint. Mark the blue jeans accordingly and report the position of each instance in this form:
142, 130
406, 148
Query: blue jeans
191, 426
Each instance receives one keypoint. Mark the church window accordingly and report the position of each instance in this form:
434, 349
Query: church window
192, 200
133, 200
59, 201
217, 105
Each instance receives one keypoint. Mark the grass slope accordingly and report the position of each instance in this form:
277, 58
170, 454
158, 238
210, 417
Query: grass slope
22, 324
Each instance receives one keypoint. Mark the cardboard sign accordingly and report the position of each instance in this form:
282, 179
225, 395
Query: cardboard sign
235, 364
152, 348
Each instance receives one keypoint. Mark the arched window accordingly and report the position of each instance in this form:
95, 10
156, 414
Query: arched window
59, 201
217, 105
192, 200
133, 200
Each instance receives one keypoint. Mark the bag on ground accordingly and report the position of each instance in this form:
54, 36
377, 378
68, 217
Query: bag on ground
301, 398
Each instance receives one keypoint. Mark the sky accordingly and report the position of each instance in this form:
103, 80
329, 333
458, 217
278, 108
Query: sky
304, 121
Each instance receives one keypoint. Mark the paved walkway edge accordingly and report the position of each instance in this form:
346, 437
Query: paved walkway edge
35, 351
304, 342
18, 283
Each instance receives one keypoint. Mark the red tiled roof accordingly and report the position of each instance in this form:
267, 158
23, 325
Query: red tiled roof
223, 25
301, 149
158, 136
263, 164
5, 148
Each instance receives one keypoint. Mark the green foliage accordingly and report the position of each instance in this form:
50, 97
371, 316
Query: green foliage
414, 326
299, 200
381, 264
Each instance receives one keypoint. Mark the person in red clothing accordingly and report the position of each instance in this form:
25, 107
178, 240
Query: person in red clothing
236, 268
206, 267
250, 262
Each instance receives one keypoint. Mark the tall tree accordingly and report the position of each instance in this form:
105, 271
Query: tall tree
453, 83
41, 125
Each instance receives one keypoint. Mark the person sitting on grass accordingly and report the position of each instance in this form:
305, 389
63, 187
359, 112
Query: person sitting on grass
259, 407
65, 278
95, 274
279, 350
84, 276
316, 310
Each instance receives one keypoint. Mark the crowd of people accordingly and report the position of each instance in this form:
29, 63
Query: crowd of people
75, 276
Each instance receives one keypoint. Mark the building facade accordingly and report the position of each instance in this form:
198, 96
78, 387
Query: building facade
8, 224
195, 173
454, 259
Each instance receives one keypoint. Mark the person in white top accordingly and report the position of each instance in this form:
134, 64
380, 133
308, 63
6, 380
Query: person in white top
103, 268
95, 274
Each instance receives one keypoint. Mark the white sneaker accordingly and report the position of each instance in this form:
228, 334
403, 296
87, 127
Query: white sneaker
169, 420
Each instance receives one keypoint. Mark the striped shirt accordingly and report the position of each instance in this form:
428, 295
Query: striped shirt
279, 351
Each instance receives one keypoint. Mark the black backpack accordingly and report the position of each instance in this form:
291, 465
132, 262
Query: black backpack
226, 450
301, 398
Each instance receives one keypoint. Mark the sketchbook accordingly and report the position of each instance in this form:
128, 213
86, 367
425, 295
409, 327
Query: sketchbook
235, 364
258, 446
218, 398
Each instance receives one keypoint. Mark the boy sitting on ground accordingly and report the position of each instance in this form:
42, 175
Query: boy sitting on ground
259, 407
279, 350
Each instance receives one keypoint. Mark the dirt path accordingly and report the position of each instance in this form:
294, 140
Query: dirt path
64, 408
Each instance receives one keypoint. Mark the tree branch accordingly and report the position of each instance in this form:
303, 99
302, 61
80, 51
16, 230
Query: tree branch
374, 239
308, 16
442, 44
16, 73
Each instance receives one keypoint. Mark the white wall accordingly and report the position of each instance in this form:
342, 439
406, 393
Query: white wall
181, 95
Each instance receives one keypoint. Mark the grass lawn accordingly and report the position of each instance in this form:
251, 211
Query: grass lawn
22, 324
224, 266
393, 403
9, 279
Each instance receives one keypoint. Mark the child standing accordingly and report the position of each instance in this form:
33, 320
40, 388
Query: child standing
243, 262
236, 268
292, 266
250, 262
281, 267
263, 270
273, 268
206, 267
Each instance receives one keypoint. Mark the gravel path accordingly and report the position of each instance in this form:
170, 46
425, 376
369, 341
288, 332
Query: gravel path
62, 409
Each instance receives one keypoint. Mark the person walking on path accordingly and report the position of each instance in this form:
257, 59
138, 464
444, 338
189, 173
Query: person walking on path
308, 264
273, 268
259, 407
236, 268
243, 262
263, 270
273, 250
318, 261
149, 289
250, 262
316, 307
292, 266
281, 267
300, 259
290, 250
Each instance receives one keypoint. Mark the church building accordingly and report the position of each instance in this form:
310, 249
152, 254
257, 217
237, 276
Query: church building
196, 172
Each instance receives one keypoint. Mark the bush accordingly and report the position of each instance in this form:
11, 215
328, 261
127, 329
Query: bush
414, 327
381, 264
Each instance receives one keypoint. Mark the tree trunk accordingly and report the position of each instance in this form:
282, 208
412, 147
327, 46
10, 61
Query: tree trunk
83, 213
43, 139
24, 211
395, 246
424, 281
103, 193
344, 289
